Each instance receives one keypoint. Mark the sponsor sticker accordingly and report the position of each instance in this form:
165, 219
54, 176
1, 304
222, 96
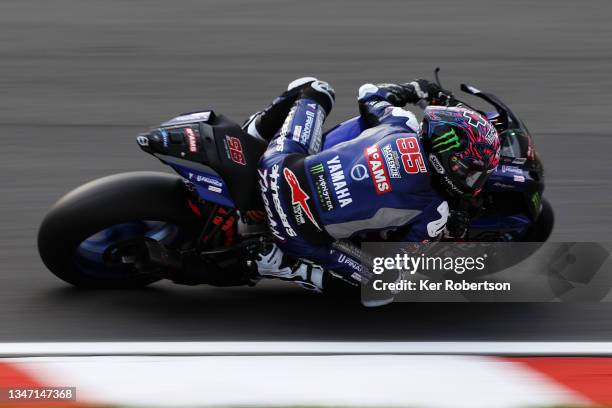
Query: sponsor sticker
268, 183
264, 186
299, 199
359, 172
520, 179
308, 126
378, 172
164, 136
341, 190
491, 136
511, 169
392, 161
435, 163
235, 150
355, 265
191, 139
297, 131
205, 179
319, 179
315, 140
212, 184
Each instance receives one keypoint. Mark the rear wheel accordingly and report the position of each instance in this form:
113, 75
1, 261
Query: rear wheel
94, 235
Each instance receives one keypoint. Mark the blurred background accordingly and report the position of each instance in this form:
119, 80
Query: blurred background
79, 78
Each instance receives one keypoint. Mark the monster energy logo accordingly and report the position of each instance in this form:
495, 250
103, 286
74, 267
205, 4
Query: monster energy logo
317, 169
535, 199
445, 142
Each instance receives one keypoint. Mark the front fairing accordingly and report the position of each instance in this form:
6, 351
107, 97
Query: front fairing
520, 170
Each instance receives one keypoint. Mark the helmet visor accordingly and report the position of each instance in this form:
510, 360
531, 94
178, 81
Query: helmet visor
470, 172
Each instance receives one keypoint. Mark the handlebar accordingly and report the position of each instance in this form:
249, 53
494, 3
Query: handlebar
506, 119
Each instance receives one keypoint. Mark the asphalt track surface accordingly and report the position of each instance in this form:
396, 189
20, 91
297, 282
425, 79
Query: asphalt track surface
78, 79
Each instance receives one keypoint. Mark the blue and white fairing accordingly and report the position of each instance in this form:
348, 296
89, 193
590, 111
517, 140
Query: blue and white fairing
208, 184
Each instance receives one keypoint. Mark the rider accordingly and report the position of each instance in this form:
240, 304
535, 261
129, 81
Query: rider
396, 181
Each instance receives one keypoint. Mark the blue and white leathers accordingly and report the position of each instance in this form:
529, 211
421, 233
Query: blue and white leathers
376, 186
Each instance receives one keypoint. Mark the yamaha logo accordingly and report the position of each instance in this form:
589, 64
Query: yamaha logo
359, 172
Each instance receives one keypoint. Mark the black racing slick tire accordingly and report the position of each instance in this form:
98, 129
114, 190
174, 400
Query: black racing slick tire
104, 203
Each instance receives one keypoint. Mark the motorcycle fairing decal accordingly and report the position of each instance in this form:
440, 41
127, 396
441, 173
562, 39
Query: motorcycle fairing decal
234, 150
298, 199
209, 187
191, 139
509, 178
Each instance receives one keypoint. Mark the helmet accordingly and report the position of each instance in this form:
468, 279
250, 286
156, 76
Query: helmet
462, 147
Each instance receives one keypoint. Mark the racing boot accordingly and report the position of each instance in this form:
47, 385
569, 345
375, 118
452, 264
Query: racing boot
274, 264
265, 124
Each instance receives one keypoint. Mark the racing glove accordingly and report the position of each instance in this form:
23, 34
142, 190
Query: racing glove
457, 224
422, 91
395, 94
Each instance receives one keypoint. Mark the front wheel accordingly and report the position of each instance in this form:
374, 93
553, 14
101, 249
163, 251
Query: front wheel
541, 229
91, 236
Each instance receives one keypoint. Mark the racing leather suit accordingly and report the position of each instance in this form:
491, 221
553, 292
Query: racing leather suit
376, 186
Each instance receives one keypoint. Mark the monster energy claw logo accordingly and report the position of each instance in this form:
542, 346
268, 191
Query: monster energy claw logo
445, 142
317, 169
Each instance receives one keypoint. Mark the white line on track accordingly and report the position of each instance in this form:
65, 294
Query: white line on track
303, 348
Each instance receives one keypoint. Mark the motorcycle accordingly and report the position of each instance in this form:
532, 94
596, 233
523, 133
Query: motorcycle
207, 225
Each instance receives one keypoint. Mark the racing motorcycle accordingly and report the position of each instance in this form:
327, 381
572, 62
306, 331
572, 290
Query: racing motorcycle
207, 225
